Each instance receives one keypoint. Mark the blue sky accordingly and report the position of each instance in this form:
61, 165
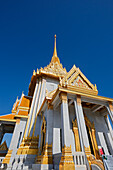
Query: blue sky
84, 32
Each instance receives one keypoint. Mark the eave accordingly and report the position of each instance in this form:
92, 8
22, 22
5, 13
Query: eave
68, 90
8, 120
40, 75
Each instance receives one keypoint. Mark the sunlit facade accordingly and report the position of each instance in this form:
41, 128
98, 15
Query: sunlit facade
61, 124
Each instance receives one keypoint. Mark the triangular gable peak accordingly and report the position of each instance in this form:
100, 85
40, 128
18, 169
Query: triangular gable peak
14, 109
76, 78
3, 146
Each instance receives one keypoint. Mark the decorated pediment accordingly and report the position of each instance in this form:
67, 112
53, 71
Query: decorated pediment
76, 78
3, 146
50, 94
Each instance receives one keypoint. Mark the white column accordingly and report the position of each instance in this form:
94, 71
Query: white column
109, 125
81, 125
66, 161
65, 122
49, 126
37, 127
110, 110
42, 93
19, 127
35, 109
31, 110
41, 121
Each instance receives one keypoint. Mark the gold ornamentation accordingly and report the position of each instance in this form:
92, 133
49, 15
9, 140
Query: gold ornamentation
78, 99
63, 97
91, 129
76, 135
111, 106
7, 157
50, 94
17, 121
76, 78
3, 147
85, 92
43, 127
29, 146
92, 160
74, 123
46, 155
55, 68
66, 161
87, 150
95, 146
50, 106
34, 73
95, 87
43, 136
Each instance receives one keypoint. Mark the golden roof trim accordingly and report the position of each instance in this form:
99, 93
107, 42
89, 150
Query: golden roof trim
72, 75
21, 116
84, 94
7, 120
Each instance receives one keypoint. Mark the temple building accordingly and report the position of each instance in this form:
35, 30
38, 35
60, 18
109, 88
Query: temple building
62, 124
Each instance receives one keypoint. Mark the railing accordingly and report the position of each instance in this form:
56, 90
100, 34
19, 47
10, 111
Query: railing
79, 158
1, 165
1, 159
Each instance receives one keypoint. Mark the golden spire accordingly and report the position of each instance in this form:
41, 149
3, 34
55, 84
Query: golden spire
55, 57
55, 50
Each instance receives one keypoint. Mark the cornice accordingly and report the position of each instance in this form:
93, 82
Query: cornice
8, 120
84, 94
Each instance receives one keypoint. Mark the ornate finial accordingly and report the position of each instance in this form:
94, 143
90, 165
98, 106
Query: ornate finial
55, 57
55, 51
95, 87
34, 73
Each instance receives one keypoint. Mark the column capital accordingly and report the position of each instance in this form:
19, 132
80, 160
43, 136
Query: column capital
63, 97
17, 121
78, 99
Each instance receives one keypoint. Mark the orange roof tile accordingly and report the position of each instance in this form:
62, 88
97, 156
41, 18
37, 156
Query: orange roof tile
9, 116
23, 112
25, 102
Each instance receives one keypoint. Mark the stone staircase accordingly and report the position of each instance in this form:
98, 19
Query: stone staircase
21, 162
108, 162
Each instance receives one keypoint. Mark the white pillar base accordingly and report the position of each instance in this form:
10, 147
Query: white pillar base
42, 166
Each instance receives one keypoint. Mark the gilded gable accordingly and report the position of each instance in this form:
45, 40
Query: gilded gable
75, 78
